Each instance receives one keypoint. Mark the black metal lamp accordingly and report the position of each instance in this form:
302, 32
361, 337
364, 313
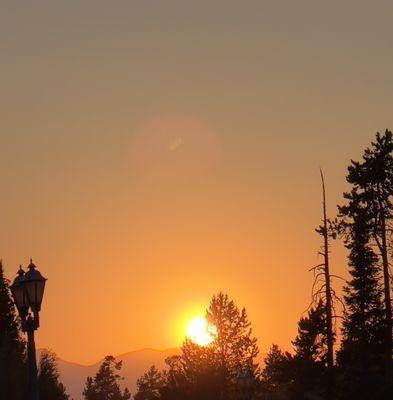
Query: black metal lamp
19, 294
28, 291
34, 284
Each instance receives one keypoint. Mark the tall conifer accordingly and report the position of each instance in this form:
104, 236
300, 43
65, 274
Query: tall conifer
49, 385
373, 177
360, 356
12, 366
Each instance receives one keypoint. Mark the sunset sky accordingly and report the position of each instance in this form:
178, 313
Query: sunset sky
154, 153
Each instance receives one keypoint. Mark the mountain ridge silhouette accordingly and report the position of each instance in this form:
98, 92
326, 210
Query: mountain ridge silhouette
135, 363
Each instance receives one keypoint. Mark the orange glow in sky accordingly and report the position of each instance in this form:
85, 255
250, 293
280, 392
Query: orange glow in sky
154, 156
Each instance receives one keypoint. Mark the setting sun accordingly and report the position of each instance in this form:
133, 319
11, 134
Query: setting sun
199, 331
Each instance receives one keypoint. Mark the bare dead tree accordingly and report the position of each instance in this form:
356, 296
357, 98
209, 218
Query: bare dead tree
322, 288
327, 285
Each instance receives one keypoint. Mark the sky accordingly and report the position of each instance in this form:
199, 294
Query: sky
154, 153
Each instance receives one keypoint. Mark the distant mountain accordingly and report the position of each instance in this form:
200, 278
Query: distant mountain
135, 364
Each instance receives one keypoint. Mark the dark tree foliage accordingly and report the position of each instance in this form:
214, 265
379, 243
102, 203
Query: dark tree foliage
176, 385
213, 371
149, 385
49, 385
361, 353
276, 374
12, 347
373, 180
105, 385
201, 371
303, 374
311, 343
233, 350
310, 361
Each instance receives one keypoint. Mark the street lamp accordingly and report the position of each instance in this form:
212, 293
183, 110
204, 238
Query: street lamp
19, 295
28, 291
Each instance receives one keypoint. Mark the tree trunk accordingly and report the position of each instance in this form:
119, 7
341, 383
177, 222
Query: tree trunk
388, 301
330, 338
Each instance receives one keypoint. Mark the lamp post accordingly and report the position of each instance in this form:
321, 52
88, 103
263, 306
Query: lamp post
28, 291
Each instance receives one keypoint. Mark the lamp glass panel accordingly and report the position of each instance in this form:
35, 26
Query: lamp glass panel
18, 294
30, 288
35, 291
40, 287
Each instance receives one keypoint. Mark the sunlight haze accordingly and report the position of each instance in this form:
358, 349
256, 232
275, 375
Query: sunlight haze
155, 153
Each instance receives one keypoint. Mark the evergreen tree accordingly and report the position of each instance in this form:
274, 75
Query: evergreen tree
311, 342
308, 367
373, 179
170, 384
49, 386
105, 385
150, 385
175, 382
233, 349
276, 374
304, 374
12, 349
360, 356
201, 371
212, 371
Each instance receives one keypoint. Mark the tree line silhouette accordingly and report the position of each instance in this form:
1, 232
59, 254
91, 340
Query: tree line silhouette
361, 368
353, 362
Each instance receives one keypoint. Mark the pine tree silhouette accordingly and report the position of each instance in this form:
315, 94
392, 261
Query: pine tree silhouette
49, 385
361, 353
12, 348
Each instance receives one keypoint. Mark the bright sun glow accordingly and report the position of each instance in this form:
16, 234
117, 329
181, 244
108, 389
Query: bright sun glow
199, 331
